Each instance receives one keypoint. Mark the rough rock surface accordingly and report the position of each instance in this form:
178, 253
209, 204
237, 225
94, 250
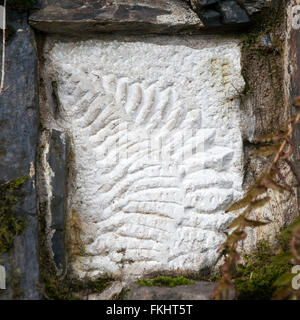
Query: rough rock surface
292, 70
227, 11
198, 291
144, 16
57, 155
146, 208
265, 108
18, 140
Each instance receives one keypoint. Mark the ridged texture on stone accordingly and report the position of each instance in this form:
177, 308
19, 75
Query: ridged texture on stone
149, 212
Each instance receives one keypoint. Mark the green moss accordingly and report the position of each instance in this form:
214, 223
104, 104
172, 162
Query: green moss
10, 224
69, 288
15, 283
257, 278
54, 289
165, 281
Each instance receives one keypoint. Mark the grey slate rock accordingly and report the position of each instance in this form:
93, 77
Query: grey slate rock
79, 17
205, 3
254, 6
232, 13
106, 16
197, 4
59, 147
19, 122
211, 18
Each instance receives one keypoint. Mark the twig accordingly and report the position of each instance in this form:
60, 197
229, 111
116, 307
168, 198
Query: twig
293, 169
282, 178
289, 135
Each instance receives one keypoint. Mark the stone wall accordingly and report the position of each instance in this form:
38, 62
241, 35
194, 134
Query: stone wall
146, 134
144, 16
139, 211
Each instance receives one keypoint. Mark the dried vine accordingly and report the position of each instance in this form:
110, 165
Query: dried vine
281, 147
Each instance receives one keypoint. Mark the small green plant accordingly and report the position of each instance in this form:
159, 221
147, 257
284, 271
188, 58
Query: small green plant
266, 274
165, 281
256, 279
10, 224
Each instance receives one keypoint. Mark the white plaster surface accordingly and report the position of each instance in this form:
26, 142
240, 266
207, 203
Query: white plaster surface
158, 148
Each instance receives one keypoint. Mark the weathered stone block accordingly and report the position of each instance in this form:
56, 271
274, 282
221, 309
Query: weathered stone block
143, 16
211, 18
157, 145
59, 148
232, 12
19, 122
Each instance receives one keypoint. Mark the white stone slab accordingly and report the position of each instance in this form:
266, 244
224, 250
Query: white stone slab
144, 208
2, 278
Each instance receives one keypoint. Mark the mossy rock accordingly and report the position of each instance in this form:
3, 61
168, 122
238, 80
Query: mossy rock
71, 288
10, 224
257, 279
